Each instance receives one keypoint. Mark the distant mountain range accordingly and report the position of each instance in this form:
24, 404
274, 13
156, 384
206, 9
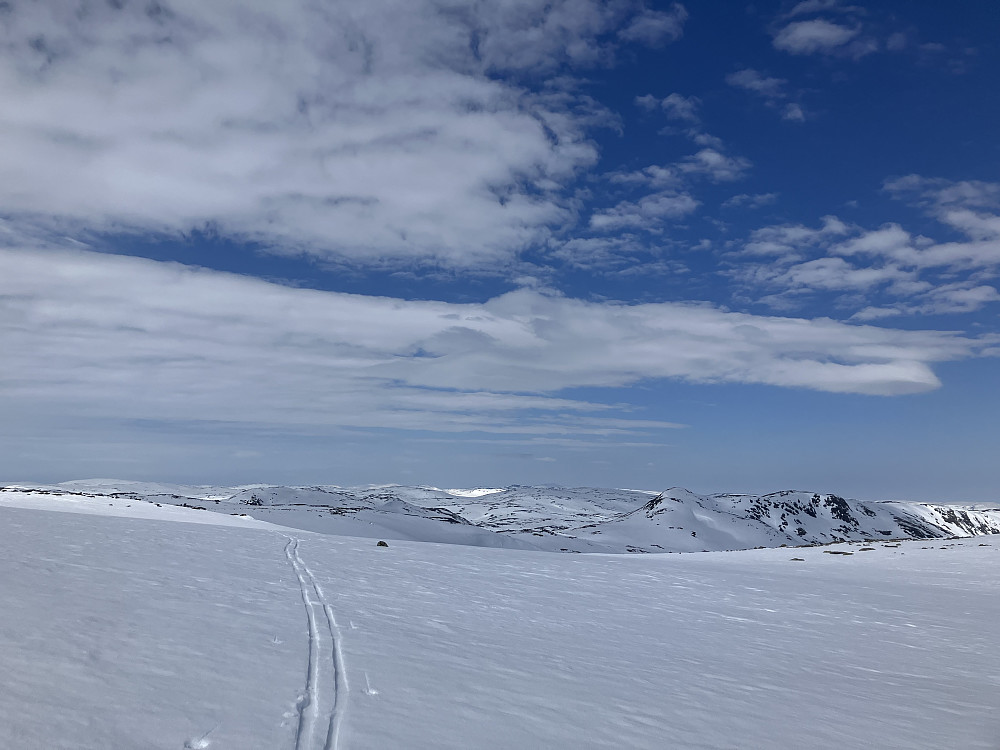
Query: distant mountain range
578, 519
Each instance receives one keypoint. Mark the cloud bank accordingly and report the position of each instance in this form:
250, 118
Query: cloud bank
87, 334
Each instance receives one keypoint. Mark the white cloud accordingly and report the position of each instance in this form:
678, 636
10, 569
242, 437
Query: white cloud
970, 207
978, 226
876, 313
949, 201
648, 102
706, 139
648, 212
654, 175
944, 257
851, 31
817, 35
917, 274
715, 165
793, 112
681, 107
670, 197
771, 90
820, 36
676, 106
373, 130
758, 83
838, 274
789, 242
932, 191
959, 297
96, 336
890, 240
539, 36
653, 27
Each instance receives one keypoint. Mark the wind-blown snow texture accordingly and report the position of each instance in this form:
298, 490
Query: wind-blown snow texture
144, 630
559, 519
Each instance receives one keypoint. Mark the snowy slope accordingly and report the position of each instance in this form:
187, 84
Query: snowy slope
123, 632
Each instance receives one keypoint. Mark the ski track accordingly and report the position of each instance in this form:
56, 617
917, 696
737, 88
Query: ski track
320, 709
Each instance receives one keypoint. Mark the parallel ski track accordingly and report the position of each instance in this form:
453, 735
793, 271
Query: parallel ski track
320, 710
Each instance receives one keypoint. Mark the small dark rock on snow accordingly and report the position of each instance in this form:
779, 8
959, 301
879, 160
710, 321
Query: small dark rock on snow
381, 544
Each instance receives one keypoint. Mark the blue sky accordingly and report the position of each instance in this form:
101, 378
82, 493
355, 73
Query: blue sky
637, 244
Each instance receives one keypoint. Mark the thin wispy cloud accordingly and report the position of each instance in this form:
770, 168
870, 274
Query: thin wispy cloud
675, 106
749, 200
772, 90
752, 80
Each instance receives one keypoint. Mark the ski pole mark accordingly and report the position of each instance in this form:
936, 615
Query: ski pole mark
320, 709
369, 690
200, 743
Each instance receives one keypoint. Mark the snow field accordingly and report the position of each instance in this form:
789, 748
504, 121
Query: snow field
123, 633
128, 633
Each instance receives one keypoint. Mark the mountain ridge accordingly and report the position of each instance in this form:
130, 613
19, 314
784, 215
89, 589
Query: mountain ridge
563, 519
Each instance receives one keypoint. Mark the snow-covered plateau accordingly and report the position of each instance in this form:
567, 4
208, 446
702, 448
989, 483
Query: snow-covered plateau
268, 617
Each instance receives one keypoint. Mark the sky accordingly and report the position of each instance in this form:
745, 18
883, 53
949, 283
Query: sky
724, 246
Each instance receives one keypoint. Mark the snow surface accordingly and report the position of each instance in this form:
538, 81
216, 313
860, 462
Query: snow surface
475, 491
121, 631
